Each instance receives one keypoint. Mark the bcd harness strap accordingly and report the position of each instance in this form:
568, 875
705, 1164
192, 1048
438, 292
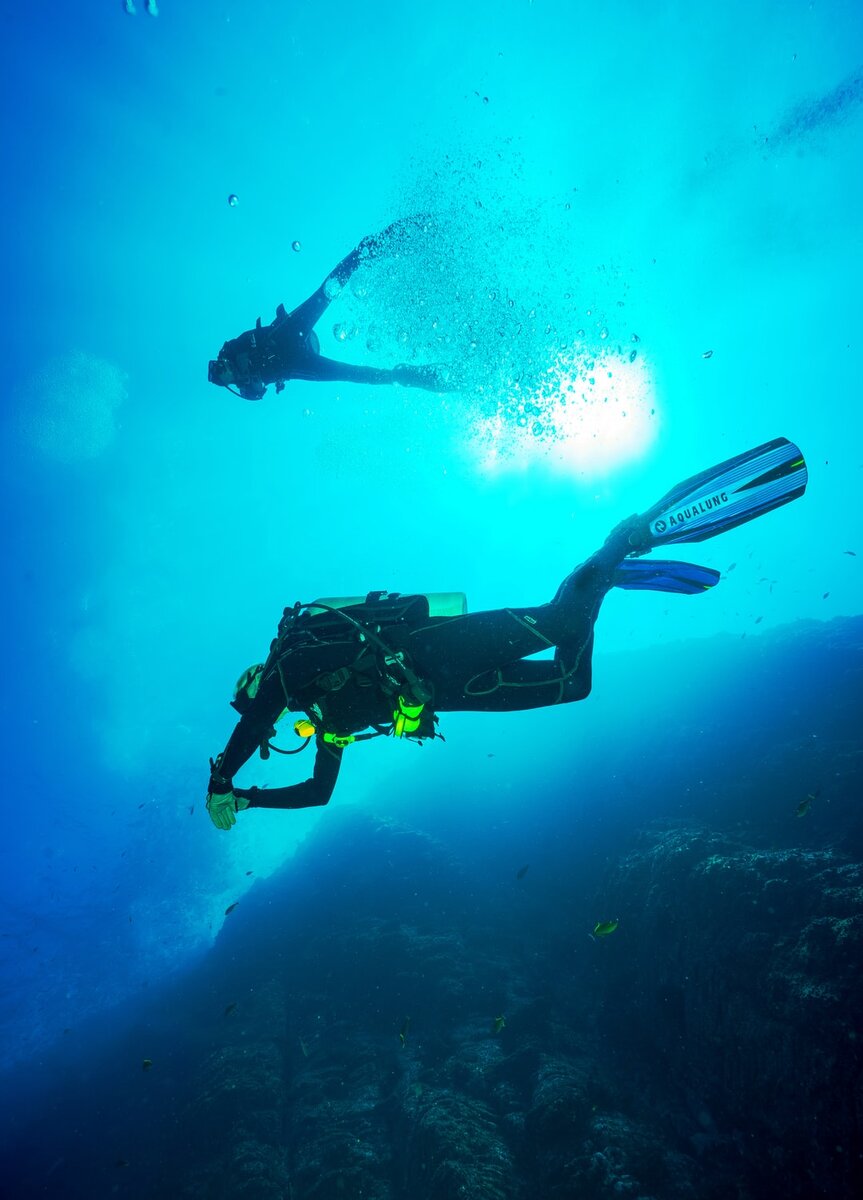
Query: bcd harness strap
395, 674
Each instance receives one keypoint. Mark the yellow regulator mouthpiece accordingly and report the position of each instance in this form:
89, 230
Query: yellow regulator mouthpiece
304, 728
406, 718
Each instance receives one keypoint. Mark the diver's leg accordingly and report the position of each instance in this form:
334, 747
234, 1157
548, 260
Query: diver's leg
473, 660
525, 685
477, 654
596, 575
315, 366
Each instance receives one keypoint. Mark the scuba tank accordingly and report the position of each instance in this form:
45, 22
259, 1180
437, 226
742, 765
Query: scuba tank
440, 604
371, 618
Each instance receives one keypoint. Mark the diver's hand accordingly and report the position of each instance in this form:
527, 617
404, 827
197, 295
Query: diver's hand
379, 243
222, 808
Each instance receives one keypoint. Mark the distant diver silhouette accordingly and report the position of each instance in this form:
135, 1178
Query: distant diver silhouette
288, 348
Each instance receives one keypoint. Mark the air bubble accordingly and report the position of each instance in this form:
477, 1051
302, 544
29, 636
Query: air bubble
296, 247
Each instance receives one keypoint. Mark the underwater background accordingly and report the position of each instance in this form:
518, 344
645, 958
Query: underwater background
638, 244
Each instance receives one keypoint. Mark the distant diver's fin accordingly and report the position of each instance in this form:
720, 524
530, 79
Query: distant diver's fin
659, 575
726, 495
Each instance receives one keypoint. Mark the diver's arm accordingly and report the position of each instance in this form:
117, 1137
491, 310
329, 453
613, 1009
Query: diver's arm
253, 728
312, 793
310, 311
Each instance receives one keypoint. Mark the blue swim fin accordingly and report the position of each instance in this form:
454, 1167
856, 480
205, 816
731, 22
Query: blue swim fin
649, 575
726, 495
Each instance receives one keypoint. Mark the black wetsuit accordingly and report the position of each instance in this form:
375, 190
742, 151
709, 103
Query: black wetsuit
472, 663
288, 348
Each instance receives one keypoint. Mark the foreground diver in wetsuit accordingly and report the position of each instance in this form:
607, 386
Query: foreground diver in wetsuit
288, 348
388, 664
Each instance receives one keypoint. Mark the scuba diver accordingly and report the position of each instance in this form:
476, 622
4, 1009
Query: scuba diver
387, 664
288, 348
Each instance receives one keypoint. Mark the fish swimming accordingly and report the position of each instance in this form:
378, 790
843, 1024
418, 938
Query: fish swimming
403, 1032
604, 928
231, 907
806, 803
499, 1023
520, 874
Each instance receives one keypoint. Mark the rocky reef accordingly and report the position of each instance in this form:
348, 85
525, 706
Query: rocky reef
737, 1004
394, 1016
410, 1056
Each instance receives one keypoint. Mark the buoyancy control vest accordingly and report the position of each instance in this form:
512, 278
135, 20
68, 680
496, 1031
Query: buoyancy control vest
371, 621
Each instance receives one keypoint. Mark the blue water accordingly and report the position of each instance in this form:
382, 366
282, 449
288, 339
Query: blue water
676, 183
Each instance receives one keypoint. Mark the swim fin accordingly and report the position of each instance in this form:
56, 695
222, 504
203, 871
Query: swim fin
726, 495
658, 575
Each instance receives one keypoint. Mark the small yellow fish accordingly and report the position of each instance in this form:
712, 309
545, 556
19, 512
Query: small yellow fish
604, 928
403, 1032
805, 804
499, 1023
146, 1064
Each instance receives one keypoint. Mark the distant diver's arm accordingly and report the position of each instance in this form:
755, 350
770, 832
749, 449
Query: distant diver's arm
312, 793
310, 311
